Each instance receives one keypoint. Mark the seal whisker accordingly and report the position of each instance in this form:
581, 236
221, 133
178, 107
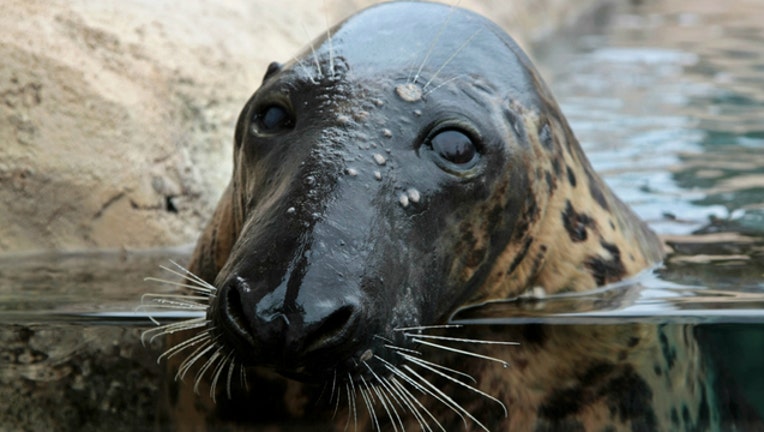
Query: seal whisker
449, 59
243, 377
406, 378
449, 401
453, 78
196, 287
190, 276
401, 349
172, 301
428, 327
406, 397
424, 365
416, 360
231, 368
350, 404
458, 351
173, 328
434, 41
329, 39
415, 406
315, 56
201, 337
200, 352
384, 399
464, 340
373, 390
210, 363
367, 399
216, 374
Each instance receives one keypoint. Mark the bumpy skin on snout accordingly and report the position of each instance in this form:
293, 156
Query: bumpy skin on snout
408, 163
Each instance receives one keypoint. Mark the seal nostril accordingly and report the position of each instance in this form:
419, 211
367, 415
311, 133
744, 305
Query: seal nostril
334, 329
232, 311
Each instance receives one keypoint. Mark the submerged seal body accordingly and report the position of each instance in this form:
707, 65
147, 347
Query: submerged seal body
409, 163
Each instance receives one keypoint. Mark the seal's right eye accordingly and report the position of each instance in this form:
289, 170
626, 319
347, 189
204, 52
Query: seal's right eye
273, 118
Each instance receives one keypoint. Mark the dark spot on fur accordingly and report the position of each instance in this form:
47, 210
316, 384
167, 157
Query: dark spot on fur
669, 353
520, 255
685, 414
674, 416
475, 257
545, 136
612, 225
630, 397
576, 223
567, 425
596, 191
562, 403
606, 270
623, 355
557, 165
571, 176
539, 259
657, 370
551, 181
633, 341
704, 415
534, 334
621, 389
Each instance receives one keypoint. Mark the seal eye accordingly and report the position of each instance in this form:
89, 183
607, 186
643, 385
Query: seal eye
273, 118
455, 147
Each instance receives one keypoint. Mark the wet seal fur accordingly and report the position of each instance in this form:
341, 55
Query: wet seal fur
409, 163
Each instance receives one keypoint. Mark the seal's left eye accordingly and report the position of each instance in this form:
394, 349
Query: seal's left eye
454, 146
274, 118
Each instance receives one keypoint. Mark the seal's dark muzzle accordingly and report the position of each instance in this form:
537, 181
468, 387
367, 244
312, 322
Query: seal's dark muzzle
293, 338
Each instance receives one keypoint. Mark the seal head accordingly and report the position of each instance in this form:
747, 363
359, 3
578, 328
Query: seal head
412, 161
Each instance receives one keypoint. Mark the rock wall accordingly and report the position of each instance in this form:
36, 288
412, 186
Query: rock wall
116, 118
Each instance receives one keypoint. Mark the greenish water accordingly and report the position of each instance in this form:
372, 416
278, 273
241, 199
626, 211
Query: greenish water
669, 106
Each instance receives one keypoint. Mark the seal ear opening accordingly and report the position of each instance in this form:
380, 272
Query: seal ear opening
273, 68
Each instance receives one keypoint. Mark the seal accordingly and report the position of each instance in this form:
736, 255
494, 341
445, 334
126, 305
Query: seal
409, 163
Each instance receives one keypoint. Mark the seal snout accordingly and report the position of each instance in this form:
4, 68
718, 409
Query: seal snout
289, 336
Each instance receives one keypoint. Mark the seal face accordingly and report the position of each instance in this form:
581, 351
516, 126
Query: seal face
409, 163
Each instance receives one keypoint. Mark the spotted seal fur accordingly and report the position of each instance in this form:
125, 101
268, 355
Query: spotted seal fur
410, 162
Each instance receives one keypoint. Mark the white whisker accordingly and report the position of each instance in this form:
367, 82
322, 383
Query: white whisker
458, 351
401, 349
430, 327
231, 368
195, 356
201, 337
435, 365
367, 399
425, 365
424, 390
449, 59
313, 50
451, 402
216, 375
384, 399
202, 289
464, 340
453, 78
414, 405
329, 38
211, 361
431, 48
173, 328
416, 401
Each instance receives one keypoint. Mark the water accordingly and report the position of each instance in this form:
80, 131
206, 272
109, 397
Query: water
668, 105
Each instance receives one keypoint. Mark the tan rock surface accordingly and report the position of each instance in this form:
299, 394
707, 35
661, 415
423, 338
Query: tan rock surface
116, 118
